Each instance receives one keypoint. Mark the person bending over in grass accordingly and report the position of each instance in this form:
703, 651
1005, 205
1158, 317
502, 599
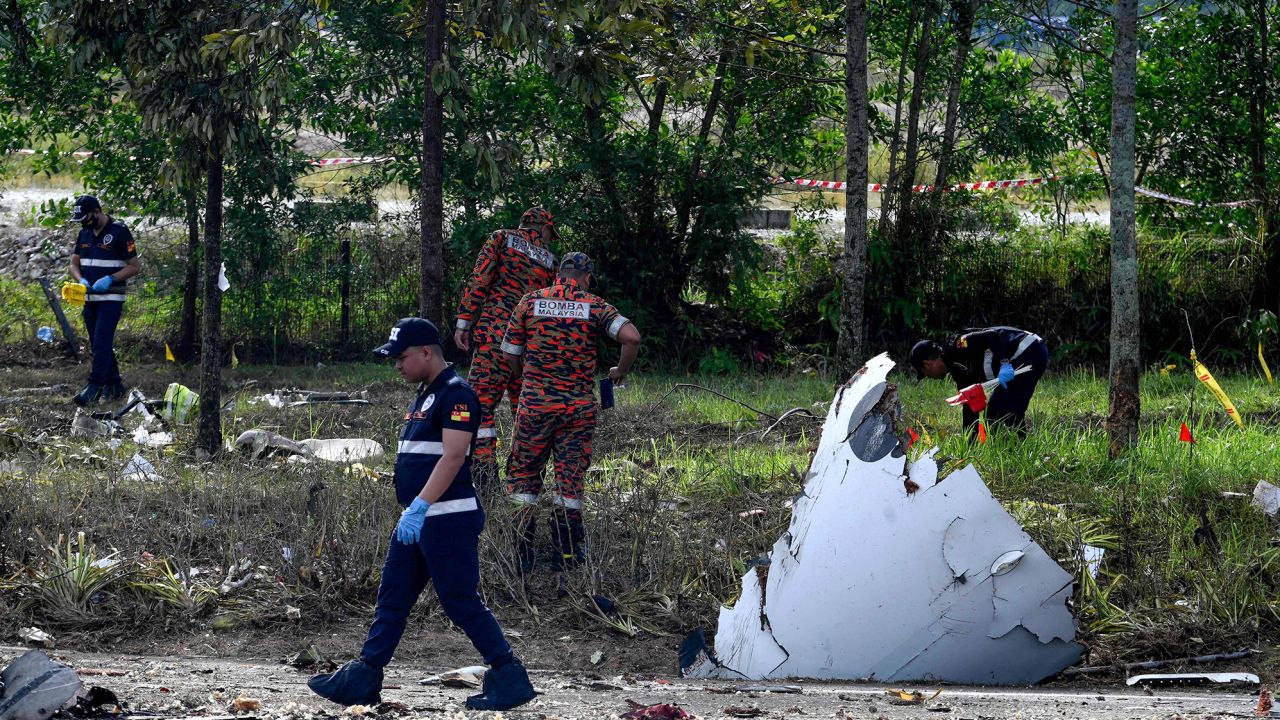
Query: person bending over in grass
436, 539
979, 355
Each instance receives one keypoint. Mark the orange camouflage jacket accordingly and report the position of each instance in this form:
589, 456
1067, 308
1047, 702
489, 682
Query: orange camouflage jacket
555, 331
511, 264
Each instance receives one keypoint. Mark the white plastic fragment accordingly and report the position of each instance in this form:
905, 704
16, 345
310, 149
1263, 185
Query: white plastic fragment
140, 469
1093, 558
35, 636
876, 580
344, 450
1267, 497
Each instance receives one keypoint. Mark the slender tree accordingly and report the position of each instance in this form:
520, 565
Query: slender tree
1122, 418
431, 191
850, 349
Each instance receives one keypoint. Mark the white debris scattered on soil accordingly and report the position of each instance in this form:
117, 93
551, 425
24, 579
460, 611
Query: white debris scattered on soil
140, 469
887, 574
344, 450
143, 436
294, 398
264, 443
36, 636
1267, 497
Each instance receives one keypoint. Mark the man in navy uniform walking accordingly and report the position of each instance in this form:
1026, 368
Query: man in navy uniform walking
436, 539
103, 259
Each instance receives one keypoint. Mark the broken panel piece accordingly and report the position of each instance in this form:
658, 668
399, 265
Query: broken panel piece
876, 580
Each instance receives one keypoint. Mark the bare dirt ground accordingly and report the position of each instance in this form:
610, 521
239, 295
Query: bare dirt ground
197, 686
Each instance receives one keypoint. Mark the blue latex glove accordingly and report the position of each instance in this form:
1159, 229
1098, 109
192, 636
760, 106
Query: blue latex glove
103, 284
85, 282
409, 529
1005, 376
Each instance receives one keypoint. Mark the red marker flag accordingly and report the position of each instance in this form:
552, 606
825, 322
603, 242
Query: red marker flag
912, 437
982, 432
973, 397
1184, 435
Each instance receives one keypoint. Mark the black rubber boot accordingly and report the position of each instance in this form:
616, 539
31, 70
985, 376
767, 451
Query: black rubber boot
570, 539
353, 684
88, 394
503, 688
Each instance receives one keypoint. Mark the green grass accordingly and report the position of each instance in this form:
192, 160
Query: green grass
673, 470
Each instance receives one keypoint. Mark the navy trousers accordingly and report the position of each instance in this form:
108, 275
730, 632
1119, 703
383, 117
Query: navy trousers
1008, 405
100, 320
446, 555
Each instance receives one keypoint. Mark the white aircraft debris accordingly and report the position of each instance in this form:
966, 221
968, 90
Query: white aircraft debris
888, 574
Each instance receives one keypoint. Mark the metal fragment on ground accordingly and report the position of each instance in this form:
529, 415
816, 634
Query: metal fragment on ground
871, 581
33, 687
1192, 679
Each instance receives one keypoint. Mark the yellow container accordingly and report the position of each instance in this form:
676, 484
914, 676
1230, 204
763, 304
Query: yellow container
73, 293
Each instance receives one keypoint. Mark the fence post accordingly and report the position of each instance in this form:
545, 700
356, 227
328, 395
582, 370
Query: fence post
344, 291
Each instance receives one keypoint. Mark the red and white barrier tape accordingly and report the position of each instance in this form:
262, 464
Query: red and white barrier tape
879, 187
1183, 201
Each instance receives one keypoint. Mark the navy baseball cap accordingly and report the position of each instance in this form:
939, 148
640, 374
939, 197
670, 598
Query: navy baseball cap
85, 204
577, 261
409, 332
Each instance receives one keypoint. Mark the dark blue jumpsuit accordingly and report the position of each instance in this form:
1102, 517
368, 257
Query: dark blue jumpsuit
447, 553
103, 254
975, 356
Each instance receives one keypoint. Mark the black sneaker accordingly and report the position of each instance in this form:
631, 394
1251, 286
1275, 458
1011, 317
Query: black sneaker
89, 394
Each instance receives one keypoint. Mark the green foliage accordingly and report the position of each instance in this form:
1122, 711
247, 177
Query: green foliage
23, 311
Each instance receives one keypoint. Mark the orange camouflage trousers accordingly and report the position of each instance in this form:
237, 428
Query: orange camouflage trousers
565, 435
490, 377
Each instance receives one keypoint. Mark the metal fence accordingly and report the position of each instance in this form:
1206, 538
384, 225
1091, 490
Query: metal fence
336, 296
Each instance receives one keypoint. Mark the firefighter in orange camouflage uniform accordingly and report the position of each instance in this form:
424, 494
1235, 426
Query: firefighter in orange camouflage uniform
552, 339
511, 264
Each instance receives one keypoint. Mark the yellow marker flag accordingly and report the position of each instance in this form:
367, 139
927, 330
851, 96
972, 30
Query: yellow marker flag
1263, 362
1202, 373
168, 354
235, 361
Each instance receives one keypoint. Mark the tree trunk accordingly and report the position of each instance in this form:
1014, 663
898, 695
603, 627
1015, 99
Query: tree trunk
431, 192
966, 11
209, 433
647, 215
191, 285
849, 347
889, 199
1122, 418
1259, 99
689, 196
911, 154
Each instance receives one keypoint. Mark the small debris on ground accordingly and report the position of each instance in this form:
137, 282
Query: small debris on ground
909, 697
1192, 679
661, 711
36, 636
